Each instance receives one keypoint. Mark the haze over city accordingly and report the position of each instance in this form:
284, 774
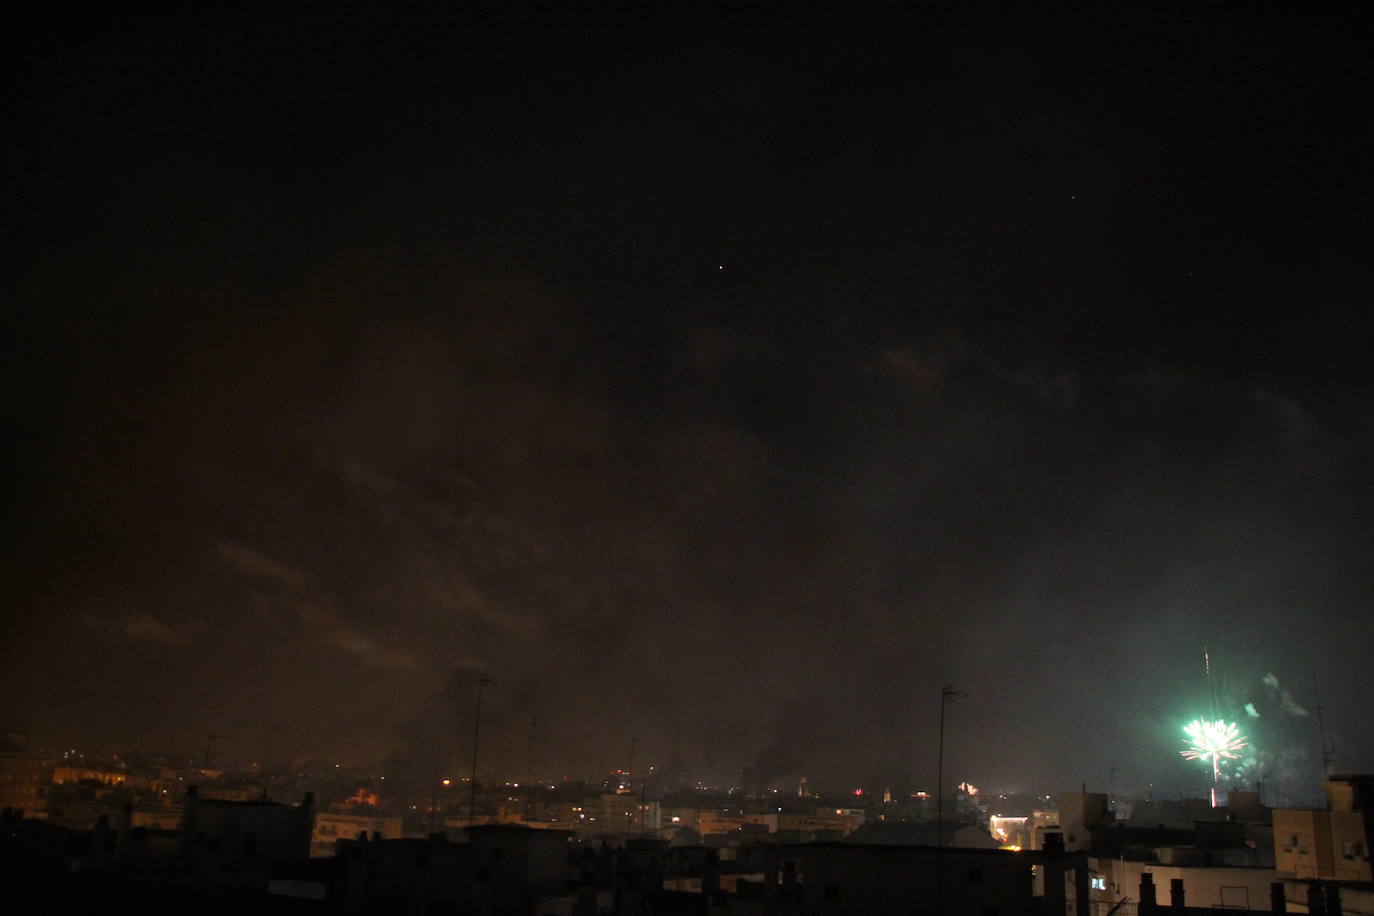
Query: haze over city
720, 382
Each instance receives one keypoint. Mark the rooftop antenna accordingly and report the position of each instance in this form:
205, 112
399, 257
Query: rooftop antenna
1328, 750
643, 802
529, 769
946, 693
482, 682
629, 821
209, 743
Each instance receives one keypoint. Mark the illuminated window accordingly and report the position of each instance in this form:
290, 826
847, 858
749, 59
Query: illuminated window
1098, 883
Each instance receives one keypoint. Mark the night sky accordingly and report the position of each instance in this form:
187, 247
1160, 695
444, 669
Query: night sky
725, 381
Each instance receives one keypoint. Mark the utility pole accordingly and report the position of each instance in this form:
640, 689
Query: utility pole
482, 682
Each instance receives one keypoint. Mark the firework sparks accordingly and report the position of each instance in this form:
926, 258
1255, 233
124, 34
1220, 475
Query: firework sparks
1213, 742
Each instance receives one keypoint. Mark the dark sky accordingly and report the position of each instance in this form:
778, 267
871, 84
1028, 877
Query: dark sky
730, 381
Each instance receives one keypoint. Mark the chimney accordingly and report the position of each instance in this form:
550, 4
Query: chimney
710, 876
305, 830
124, 835
1316, 900
186, 828
1278, 903
1055, 899
772, 858
100, 836
1147, 895
1176, 898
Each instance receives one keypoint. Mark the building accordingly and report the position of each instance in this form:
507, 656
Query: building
925, 833
23, 778
1082, 815
503, 870
514, 866
332, 826
1332, 844
1211, 857
846, 878
70, 775
1203, 884
254, 831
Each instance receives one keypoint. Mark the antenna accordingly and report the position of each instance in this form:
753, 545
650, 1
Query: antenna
629, 821
482, 682
947, 692
529, 771
643, 802
209, 743
1328, 751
